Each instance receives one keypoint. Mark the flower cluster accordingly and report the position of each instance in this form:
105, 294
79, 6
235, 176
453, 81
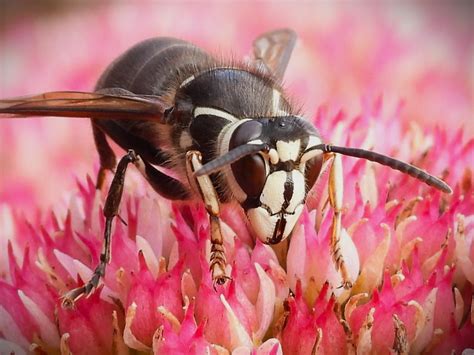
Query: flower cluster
409, 249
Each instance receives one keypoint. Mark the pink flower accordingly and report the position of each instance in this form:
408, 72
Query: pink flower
406, 252
408, 247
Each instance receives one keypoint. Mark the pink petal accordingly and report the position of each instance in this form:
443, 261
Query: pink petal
148, 294
90, 322
265, 304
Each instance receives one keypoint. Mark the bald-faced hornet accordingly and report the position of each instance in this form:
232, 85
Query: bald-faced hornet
225, 130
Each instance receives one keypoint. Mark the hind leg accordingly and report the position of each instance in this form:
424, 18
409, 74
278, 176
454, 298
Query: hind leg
106, 155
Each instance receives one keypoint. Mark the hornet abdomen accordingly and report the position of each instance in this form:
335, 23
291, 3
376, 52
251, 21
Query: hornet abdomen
153, 67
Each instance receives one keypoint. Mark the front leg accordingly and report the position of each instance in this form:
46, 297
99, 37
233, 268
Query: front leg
203, 185
336, 192
111, 207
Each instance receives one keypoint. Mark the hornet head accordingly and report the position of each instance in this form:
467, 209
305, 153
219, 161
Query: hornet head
269, 172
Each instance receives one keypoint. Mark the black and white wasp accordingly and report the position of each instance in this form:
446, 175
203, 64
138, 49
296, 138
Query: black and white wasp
225, 130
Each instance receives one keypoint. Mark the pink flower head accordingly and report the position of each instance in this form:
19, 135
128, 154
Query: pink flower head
409, 249
405, 255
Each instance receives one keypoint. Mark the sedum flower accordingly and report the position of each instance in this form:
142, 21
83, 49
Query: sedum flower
408, 247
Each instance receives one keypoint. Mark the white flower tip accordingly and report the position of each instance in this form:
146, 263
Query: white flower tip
170, 317
129, 339
239, 335
63, 345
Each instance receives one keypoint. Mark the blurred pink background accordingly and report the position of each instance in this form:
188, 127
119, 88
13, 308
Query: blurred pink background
348, 53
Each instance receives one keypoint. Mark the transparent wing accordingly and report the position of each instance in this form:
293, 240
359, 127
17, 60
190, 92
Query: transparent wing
273, 50
85, 104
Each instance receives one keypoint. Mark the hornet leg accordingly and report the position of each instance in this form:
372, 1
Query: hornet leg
106, 155
203, 185
336, 192
111, 207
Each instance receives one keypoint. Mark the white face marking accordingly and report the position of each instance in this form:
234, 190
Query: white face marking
274, 158
273, 191
288, 150
312, 142
291, 220
262, 223
299, 190
187, 81
198, 111
185, 140
273, 194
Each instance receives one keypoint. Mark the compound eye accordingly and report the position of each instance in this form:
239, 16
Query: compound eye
250, 174
245, 133
249, 171
312, 170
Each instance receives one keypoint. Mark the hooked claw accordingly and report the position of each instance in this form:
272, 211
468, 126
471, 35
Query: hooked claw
220, 280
